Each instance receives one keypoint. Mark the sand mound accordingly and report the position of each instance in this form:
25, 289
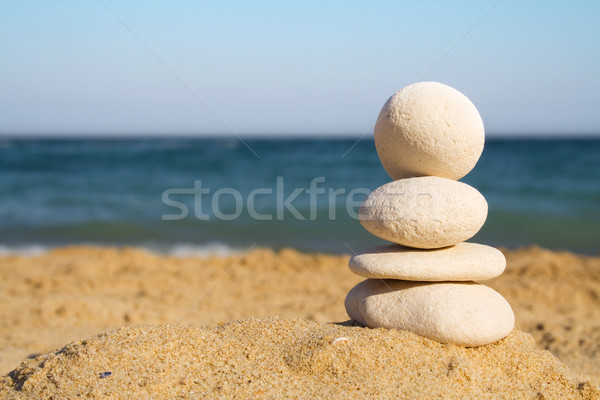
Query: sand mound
76, 292
275, 357
556, 298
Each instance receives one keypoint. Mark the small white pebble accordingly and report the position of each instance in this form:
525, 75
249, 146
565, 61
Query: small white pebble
340, 340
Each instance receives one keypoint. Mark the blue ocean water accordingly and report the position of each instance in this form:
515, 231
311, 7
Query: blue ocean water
135, 191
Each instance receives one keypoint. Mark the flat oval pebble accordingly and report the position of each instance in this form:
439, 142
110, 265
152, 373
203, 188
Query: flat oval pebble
429, 128
463, 313
462, 262
426, 212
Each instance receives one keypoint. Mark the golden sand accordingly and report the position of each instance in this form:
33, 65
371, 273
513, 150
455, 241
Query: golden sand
72, 293
279, 358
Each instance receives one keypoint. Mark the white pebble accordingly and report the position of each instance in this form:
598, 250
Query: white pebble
429, 128
462, 262
426, 212
462, 313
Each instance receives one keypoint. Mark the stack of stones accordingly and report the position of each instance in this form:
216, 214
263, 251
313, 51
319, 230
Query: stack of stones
428, 136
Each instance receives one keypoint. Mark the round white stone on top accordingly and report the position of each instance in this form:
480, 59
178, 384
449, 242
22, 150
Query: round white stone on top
462, 313
425, 212
462, 262
428, 128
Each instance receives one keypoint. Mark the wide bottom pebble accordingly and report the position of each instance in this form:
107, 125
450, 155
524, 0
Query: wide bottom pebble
462, 313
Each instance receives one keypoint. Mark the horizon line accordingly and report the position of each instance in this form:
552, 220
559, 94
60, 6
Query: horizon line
256, 135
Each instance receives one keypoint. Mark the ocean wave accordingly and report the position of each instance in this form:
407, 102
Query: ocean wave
179, 250
24, 250
194, 250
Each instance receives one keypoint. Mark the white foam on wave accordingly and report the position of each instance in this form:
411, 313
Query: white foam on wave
23, 250
179, 250
199, 250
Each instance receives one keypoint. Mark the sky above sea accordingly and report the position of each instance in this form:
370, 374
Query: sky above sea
291, 68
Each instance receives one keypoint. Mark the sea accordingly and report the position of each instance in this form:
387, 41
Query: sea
198, 196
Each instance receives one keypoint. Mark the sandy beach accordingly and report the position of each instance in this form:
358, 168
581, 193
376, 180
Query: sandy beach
299, 200
186, 306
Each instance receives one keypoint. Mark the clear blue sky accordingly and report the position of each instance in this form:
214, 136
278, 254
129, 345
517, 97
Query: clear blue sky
282, 67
